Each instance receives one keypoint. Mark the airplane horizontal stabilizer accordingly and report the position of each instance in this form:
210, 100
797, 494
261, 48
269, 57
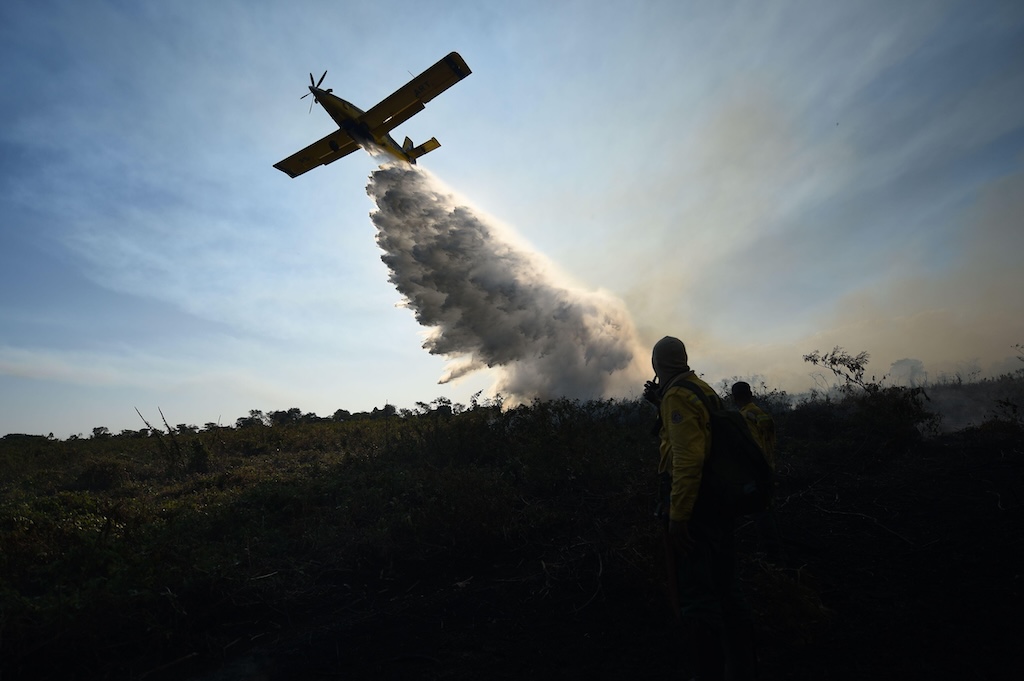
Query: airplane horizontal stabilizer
424, 148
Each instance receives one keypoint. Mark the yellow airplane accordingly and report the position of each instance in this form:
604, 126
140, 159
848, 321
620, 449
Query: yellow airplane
370, 129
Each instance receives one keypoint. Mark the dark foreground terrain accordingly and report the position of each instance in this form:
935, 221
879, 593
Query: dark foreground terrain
911, 568
494, 545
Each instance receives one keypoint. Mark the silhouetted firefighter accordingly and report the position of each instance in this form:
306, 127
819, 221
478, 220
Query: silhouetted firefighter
700, 548
762, 427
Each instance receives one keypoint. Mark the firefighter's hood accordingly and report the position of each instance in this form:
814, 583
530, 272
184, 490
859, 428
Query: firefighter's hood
669, 359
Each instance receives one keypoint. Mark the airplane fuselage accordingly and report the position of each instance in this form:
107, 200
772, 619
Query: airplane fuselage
347, 115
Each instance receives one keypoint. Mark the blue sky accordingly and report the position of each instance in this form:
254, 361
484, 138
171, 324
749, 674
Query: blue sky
758, 179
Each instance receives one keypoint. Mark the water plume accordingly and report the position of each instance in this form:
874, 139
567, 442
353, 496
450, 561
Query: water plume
490, 303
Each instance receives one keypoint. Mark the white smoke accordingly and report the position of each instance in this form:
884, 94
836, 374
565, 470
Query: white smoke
490, 303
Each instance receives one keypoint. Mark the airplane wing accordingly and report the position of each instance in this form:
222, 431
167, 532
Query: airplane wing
328, 150
410, 99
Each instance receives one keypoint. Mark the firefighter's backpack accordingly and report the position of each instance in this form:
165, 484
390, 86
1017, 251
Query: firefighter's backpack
737, 479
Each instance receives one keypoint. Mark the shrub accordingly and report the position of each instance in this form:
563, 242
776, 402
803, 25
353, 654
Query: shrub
889, 415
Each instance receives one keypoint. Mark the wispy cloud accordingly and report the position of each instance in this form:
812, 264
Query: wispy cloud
759, 178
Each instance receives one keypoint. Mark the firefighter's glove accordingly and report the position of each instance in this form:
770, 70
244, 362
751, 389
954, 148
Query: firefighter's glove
652, 393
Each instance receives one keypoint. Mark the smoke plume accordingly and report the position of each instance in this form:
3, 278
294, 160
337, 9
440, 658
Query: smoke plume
490, 303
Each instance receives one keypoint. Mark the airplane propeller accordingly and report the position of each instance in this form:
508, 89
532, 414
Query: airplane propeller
316, 84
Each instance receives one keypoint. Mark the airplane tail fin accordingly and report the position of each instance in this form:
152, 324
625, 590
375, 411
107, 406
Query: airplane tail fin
425, 148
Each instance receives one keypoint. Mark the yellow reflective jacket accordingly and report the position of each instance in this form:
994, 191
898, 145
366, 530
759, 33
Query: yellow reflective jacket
685, 442
762, 427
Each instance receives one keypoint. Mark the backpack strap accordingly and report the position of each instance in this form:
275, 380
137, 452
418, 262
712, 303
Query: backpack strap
692, 387
701, 395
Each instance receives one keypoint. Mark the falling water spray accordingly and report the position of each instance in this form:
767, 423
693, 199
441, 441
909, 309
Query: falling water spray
490, 303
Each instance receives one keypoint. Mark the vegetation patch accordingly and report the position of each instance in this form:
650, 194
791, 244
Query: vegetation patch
484, 538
